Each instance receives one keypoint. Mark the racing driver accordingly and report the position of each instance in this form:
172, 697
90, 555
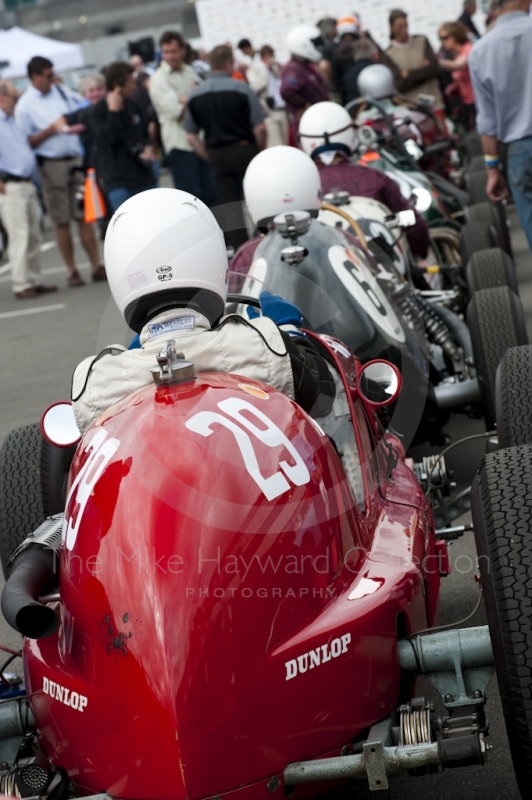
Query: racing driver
167, 268
327, 135
282, 179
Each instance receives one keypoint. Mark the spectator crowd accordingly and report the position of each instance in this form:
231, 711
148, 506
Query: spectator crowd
80, 155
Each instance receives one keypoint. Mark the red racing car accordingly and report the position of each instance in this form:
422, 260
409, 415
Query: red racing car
236, 601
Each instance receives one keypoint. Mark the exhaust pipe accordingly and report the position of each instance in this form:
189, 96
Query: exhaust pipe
32, 576
453, 395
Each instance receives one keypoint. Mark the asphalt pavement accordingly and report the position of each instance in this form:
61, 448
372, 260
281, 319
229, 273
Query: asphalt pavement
44, 339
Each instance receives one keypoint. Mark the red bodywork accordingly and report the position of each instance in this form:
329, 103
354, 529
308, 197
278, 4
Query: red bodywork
187, 593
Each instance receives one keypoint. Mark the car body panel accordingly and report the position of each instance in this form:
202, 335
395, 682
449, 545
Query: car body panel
187, 595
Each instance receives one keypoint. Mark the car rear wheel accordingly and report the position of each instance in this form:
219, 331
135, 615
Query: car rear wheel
21, 507
33, 477
502, 517
496, 322
513, 397
490, 268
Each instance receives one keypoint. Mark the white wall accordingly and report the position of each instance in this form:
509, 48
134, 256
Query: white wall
268, 21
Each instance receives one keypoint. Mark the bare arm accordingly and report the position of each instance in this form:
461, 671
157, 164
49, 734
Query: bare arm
36, 139
326, 71
496, 186
259, 132
456, 63
198, 146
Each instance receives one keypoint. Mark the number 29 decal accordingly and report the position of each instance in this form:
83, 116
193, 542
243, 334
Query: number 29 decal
100, 452
271, 436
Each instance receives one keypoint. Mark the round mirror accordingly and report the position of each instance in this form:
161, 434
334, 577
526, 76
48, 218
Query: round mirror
379, 383
421, 198
59, 426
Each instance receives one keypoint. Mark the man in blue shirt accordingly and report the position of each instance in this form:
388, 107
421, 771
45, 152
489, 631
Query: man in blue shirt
19, 207
501, 71
41, 114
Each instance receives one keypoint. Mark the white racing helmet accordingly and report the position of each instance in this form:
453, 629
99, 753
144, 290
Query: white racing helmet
326, 128
376, 81
302, 41
278, 180
164, 246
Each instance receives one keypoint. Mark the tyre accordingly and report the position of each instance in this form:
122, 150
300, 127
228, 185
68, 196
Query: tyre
496, 322
473, 145
513, 397
502, 227
476, 164
480, 213
474, 237
33, 478
490, 268
21, 507
476, 187
502, 518
494, 215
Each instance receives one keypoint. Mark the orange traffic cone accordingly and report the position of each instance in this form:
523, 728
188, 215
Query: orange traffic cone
94, 202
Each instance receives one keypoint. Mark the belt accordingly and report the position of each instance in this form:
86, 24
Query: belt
5, 177
63, 158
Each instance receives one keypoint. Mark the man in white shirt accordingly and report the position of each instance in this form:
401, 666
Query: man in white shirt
19, 207
40, 113
170, 87
264, 77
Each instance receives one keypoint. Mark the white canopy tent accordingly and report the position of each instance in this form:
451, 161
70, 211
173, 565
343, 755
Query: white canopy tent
18, 46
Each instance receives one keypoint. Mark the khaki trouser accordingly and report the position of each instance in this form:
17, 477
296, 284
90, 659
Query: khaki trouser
20, 215
276, 128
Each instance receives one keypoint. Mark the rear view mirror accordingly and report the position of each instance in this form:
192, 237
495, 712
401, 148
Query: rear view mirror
379, 383
59, 426
421, 198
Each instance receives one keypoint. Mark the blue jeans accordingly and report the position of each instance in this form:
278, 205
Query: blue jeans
191, 174
520, 181
118, 196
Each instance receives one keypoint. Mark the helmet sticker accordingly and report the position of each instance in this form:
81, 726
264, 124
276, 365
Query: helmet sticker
137, 279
